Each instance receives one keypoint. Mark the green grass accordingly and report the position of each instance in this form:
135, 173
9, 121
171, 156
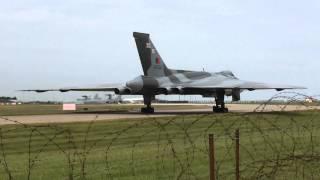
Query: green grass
29, 109
273, 146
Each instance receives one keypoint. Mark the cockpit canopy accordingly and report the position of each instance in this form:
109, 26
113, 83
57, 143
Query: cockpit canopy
227, 73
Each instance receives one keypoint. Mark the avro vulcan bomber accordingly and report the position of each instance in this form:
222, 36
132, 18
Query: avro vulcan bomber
158, 79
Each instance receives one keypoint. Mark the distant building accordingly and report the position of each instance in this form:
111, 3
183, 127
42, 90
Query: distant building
310, 100
110, 98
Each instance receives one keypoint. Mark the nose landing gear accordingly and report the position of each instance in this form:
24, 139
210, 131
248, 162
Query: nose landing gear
147, 110
220, 105
220, 110
147, 101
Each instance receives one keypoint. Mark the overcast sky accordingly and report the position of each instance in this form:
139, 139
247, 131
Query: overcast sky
59, 43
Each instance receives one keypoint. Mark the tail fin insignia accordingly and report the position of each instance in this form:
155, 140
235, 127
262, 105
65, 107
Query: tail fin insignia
151, 61
157, 60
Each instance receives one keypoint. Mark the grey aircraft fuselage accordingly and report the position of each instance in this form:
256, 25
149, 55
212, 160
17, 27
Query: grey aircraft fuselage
175, 83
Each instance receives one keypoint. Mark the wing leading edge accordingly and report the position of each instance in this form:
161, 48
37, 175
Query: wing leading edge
243, 85
105, 87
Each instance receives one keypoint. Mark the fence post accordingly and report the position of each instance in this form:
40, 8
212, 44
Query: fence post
237, 136
212, 157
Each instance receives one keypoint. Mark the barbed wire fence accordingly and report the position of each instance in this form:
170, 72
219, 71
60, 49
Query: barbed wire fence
273, 145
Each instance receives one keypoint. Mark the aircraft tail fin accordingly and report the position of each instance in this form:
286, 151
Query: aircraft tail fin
151, 60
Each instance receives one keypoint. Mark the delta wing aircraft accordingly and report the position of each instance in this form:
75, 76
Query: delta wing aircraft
159, 79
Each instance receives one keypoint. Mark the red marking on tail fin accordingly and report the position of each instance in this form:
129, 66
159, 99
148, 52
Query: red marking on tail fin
157, 60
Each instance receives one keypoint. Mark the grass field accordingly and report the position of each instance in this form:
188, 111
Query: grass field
273, 146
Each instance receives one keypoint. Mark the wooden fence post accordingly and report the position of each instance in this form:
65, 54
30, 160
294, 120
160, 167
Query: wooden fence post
212, 157
237, 136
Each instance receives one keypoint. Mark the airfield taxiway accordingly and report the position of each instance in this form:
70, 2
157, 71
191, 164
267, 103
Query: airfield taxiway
108, 116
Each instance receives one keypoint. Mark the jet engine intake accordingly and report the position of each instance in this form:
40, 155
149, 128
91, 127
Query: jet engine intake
122, 91
177, 90
168, 91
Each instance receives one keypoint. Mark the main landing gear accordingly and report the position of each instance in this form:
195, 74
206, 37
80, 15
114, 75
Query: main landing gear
147, 101
218, 108
220, 105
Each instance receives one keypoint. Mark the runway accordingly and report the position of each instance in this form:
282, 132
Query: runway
110, 116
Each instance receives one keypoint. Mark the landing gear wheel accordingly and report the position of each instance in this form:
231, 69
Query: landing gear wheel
215, 109
147, 110
220, 110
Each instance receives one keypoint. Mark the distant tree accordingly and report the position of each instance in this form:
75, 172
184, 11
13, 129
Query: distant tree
6, 99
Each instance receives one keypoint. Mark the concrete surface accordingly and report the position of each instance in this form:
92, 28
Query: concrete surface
87, 117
